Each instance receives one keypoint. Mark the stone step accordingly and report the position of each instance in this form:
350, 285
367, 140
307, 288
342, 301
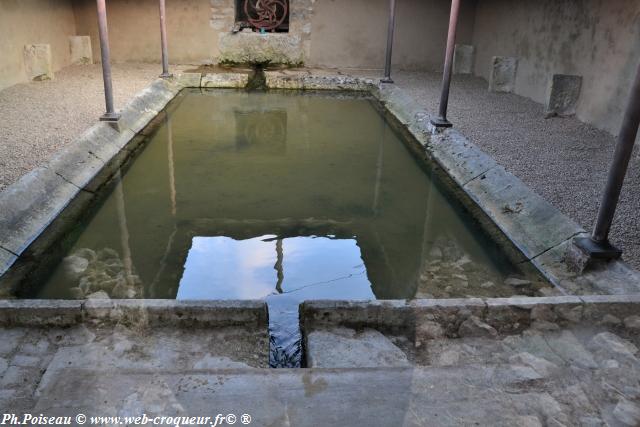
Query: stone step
471, 395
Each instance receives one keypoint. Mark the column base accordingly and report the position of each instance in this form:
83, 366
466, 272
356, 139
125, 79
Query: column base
441, 123
387, 80
586, 254
166, 75
597, 250
112, 119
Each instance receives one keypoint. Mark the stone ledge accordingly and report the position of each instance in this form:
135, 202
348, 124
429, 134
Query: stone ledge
291, 79
225, 80
40, 312
182, 313
505, 315
185, 80
28, 206
148, 312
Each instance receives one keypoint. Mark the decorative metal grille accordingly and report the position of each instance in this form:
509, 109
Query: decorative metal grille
267, 15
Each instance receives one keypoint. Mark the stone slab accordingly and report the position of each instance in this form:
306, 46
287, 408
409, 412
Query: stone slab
341, 347
40, 312
186, 80
463, 59
472, 395
7, 259
289, 79
461, 159
528, 220
563, 95
225, 80
147, 104
503, 74
37, 62
256, 48
80, 47
184, 313
28, 206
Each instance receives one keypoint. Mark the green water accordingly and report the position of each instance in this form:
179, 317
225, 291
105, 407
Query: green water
243, 195
283, 196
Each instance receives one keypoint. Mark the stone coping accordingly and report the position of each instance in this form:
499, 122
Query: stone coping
538, 231
506, 315
180, 313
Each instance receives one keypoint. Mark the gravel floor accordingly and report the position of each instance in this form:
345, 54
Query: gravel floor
564, 160
41, 117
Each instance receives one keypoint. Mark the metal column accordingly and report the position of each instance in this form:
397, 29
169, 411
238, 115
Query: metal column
442, 121
598, 246
390, 33
110, 115
163, 39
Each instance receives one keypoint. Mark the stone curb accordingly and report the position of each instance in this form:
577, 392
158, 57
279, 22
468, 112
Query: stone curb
506, 315
147, 312
182, 313
306, 81
536, 228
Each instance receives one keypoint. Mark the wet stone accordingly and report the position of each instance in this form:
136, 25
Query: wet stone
628, 413
346, 348
474, 327
632, 322
611, 344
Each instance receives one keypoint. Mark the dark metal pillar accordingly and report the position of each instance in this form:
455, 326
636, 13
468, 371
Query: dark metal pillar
390, 33
110, 115
442, 121
163, 39
598, 246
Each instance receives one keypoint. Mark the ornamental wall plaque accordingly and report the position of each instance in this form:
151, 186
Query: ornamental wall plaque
266, 14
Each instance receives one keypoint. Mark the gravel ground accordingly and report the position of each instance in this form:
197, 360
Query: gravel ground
564, 160
41, 117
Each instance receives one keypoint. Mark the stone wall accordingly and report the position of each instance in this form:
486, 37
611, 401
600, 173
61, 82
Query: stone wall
597, 39
329, 33
353, 33
134, 30
29, 22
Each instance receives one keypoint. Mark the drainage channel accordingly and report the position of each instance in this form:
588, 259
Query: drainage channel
285, 336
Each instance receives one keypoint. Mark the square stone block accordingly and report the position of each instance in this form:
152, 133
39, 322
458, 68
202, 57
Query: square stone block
81, 52
463, 59
503, 74
37, 62
563, 94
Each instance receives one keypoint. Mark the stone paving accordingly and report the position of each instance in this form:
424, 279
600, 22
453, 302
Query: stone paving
33, 358
547, 375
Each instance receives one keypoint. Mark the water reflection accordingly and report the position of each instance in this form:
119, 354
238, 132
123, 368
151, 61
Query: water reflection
301, 267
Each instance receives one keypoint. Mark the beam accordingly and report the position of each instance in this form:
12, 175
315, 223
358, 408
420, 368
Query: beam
390, 32
163, 40
441, 121
110, 115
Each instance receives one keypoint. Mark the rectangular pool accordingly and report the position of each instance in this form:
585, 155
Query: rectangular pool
287, 196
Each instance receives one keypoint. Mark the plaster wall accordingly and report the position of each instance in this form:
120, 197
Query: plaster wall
134, 30
32, 22
598, 39
353, 33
